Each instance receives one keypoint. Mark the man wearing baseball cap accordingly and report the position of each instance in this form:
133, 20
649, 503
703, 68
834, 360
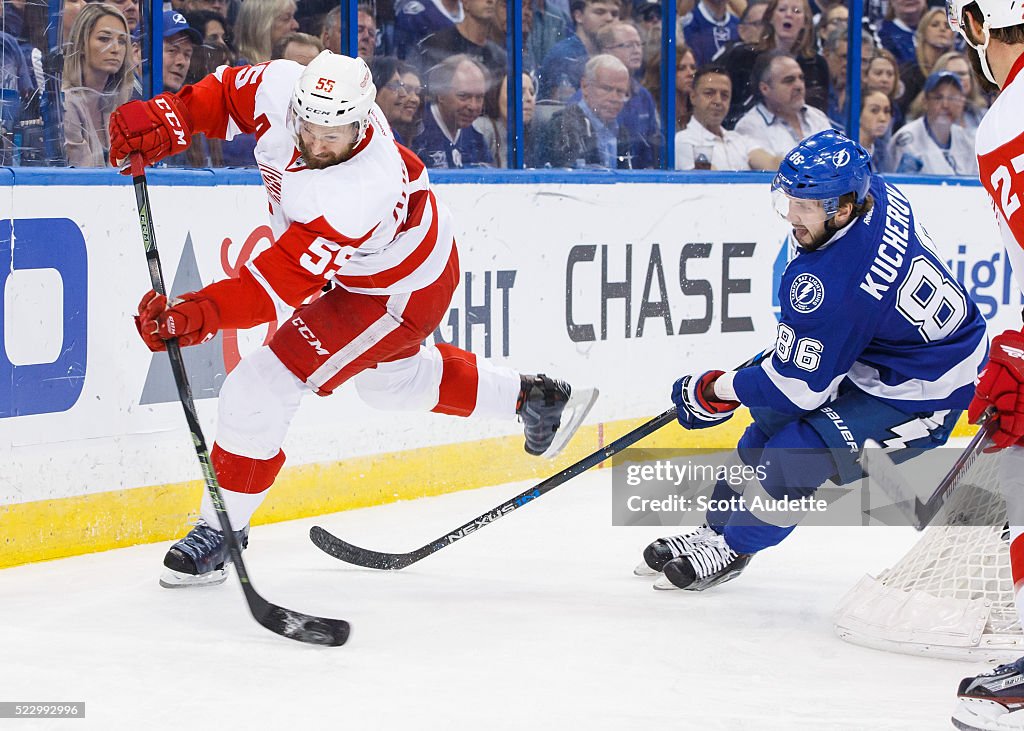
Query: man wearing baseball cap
934, 144
180, 39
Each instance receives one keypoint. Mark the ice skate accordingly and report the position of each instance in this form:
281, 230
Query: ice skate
551, 412
992, 701
200, 558
705, 560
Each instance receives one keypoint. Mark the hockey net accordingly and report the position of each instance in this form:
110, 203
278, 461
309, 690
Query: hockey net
951, 595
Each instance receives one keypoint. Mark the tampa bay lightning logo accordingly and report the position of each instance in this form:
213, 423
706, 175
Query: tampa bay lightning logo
807, 293
841, 158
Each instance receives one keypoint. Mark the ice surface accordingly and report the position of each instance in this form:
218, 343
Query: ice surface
536, 622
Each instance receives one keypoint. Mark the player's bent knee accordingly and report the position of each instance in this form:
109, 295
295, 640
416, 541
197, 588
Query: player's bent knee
409, 384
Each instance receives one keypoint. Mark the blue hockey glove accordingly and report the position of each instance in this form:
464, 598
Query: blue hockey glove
693, 409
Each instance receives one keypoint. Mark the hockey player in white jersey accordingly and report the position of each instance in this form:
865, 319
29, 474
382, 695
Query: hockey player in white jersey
994, 31
352, 209
876, 340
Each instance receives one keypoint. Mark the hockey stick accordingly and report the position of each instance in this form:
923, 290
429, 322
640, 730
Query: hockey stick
285, 622
340, 549
879, 467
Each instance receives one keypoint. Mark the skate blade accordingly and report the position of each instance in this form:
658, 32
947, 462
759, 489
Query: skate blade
177, 580
581, 401
663, 584
979, 714
642, 569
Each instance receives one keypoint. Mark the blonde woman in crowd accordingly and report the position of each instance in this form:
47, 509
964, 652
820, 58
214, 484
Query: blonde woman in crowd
97, 79
932, 38
881, 73
261, 24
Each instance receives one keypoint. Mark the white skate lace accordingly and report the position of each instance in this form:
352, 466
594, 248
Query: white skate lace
684, 544
708, 552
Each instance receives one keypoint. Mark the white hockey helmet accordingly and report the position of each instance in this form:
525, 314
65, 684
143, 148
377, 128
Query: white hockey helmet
334, 91
997, 14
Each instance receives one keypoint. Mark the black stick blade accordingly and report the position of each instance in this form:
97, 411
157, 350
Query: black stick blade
334, 546
301, 627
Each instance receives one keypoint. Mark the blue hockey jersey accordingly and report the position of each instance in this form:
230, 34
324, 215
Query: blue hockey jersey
877, 306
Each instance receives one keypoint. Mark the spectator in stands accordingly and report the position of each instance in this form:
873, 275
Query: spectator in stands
686, 67
260, 24
897, 32
835, 53
711, 28
976, 104
932, 38
366, 33
417, 19
493, 123
640, 114
330, 34
875, 120
782, 118
561, 70
96, 79
180, 40
646, 16
934, 144
457, 87
499, 31
705, 142
787, 28
587, 133
880, 73
398, 96
211, 26
130, 10
470, 37
752, 22
299, 47
546, 29
835, 18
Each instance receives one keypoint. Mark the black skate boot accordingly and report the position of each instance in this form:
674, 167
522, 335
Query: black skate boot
659, 553
551, 412
200, 558
985, 702
705, 560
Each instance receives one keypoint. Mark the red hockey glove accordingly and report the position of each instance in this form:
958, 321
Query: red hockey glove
156, 128
1001, 385
192, 319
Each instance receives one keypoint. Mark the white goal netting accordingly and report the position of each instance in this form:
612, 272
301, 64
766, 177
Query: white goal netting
951, 595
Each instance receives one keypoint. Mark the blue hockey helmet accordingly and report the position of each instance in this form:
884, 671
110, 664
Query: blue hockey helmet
824, 167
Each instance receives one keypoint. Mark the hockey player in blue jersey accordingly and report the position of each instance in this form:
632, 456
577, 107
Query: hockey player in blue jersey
876, 340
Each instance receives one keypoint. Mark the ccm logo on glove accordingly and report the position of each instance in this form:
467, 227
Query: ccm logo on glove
172, 120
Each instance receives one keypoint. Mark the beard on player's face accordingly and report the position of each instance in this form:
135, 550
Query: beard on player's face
811, 236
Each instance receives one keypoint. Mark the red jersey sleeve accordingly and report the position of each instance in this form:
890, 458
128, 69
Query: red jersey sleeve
228, 95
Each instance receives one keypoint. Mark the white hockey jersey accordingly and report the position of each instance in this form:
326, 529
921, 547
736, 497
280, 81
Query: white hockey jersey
370, 223
1000, 148
914, 150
